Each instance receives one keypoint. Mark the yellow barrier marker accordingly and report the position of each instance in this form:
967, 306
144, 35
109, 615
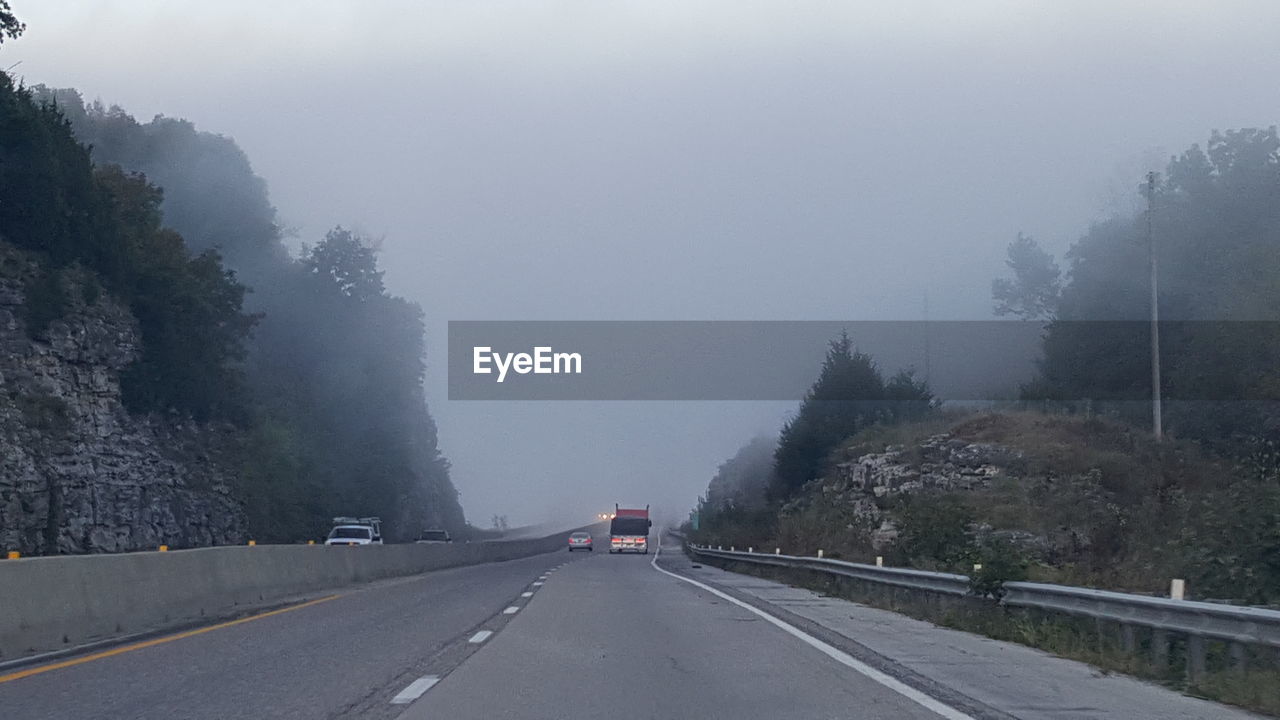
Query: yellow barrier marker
252, 543
164, 548
311, 542
14, 555
158, 641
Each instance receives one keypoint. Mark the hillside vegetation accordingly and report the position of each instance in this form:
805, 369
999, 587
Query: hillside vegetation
1085, 495
316, 366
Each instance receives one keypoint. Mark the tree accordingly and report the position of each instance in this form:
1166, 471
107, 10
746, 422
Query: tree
332, 374
742, 480
9, 25
846, 397
66, 211
188, 309
907, 398
349, 262
1033, 292
1218, 239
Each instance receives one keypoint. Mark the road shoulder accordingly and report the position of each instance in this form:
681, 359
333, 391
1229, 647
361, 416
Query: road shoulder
984, 677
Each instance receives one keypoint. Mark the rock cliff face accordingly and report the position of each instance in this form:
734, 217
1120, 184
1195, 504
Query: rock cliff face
78, 473
940, 463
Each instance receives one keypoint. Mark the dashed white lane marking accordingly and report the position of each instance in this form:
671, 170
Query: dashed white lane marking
511, 610
827, 649
415, 690
480, 636
538, 584
526, 594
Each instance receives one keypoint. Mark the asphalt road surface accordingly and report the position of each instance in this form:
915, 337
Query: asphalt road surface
344, 657
584, 635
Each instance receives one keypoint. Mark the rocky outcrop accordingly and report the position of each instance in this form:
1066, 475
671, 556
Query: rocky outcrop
78, 473
942, 463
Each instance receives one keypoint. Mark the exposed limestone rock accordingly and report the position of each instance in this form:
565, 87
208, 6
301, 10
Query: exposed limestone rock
943, 463
78, 473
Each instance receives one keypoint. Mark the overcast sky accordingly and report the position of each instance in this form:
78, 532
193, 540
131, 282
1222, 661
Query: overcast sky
593, 159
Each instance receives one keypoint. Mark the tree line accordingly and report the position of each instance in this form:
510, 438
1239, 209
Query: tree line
1215, 225
307, 353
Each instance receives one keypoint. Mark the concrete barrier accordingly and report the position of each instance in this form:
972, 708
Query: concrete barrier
54, 603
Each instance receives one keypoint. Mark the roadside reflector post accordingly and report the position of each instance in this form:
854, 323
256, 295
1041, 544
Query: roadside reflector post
1177, 589
252, 543
164, 548
14, 555
819, 552
777, 551
750, 549
879, 561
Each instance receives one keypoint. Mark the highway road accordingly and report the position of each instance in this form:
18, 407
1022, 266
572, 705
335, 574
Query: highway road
581, 636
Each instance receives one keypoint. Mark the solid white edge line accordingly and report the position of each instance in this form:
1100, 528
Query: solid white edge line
827, 649
480, 636
415, 690
526, 594
511, 610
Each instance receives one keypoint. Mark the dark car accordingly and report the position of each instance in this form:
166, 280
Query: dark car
434, 536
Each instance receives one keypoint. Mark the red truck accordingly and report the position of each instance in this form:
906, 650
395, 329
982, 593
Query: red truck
629, 530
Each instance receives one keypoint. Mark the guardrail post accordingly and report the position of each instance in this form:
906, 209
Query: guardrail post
1160, 650
1236, 655
1195, 657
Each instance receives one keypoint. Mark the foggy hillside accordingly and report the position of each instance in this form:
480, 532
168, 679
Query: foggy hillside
334, 408
817, 162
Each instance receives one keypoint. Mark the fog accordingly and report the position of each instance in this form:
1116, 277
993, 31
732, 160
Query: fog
654, 161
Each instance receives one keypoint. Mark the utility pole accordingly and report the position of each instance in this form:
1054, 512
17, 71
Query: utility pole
928, 361
1157, 428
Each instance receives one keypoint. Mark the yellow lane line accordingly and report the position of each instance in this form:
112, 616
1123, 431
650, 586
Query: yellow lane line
149, 643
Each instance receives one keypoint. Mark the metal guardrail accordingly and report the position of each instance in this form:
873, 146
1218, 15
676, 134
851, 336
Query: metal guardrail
1198, 621
937, 582
1230, 623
